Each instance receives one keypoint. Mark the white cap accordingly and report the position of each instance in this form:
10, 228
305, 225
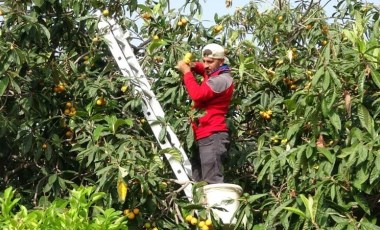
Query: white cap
213, 51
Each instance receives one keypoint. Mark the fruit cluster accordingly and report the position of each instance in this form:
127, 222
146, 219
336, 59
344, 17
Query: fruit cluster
202, 224
69, 109
182, 22
266, 114
290, 83
59, 88
131, 213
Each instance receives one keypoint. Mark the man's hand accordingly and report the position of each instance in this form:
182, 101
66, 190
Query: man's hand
183, 67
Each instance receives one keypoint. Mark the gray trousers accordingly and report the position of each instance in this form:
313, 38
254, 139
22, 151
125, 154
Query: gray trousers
207, 163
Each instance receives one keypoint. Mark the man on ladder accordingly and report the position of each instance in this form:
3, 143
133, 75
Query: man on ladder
212, 96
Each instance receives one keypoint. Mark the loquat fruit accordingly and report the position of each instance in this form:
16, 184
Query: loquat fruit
189, 218
106, 13
136, 211
194, 221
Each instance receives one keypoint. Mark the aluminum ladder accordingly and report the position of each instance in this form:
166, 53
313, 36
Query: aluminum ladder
129, 66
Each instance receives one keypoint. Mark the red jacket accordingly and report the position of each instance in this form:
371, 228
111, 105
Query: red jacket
213, 96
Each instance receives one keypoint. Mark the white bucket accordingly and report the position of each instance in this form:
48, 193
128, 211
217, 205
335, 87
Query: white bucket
225, 196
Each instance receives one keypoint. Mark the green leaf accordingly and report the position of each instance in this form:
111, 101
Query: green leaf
3, 85
52, 178
255, 197
327, 154
294, 128
274, 212
375, 76
97, 132
336, 122
326, 81
156, 44
366, 119
334, 77
190, 138
362, 203
38, 3
296, 211
369, 226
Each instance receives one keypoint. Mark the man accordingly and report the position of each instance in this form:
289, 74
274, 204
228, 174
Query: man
212, 96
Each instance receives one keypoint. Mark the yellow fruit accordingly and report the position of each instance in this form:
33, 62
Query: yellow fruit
279, 18
189, 218
95, 40
136, 211
208, 222
146, 16
164, 184
142, 121
309, 73
261, 113
205, 227
69, 134
131, 216
155, 228
184, 21
105, 13
309, 27
218, 28
126, 212
44, 146
201, 224
122, 190
324, 42
67, 111
1, 13
187, 60
156, 37
147, 225
61, 87
101, 101
69, 104
188, 55
86, 58
269, 112
293, 87
179, 23
284, 141
124, 88
194, 221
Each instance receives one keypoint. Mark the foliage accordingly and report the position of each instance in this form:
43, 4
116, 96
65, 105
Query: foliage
304, 118
78, 210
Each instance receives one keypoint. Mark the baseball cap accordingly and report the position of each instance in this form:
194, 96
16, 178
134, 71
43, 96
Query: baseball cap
213, 51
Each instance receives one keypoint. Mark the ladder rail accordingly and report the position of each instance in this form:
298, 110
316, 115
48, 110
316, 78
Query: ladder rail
130, 67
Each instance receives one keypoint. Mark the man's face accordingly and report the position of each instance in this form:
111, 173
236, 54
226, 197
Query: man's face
212, 64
